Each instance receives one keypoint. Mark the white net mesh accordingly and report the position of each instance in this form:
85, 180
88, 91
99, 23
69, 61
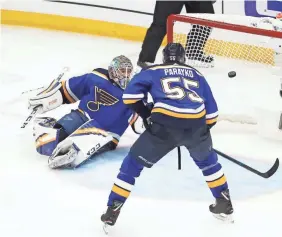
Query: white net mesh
249, 51
203, 44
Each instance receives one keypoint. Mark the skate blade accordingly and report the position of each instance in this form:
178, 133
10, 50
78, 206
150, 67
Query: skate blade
225, 218
106, 228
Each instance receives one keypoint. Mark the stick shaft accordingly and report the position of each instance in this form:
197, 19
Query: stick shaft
267, 174
179, 157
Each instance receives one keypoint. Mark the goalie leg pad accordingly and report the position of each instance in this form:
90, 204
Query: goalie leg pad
48, 132
64, 155
45, 135
72, 121
87, 140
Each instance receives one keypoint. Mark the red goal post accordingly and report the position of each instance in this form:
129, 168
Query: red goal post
230, 36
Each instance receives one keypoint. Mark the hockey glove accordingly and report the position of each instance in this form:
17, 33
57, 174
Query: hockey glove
147, 123
211, 125
138, 126
150, 106
50, 98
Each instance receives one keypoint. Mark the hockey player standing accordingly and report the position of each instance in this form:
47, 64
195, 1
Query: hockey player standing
184, 112
97, 124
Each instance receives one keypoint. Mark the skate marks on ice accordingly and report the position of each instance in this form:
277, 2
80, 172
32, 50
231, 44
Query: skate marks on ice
145, 217
164, 181
38, 202
56, 209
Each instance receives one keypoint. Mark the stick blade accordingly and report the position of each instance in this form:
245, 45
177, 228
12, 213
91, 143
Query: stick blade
272, 170
106, 229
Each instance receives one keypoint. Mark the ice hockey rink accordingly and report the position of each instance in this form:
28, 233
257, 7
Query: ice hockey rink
36, 201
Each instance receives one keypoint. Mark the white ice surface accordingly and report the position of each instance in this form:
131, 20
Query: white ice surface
36, 201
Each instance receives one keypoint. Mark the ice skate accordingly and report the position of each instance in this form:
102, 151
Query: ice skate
223, 209
111, 215
200, 59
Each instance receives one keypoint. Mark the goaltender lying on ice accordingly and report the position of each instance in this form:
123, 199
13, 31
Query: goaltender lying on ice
95, 126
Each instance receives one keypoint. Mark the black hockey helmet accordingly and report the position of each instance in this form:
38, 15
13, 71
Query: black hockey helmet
173, 53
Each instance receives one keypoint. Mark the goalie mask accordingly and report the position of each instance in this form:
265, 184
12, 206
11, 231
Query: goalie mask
120, 71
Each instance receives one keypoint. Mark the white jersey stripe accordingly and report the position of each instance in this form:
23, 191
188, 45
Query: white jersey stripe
213, 115
70, 92
133, 96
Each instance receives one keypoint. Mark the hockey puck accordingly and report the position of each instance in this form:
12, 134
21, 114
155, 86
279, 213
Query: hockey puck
232, 74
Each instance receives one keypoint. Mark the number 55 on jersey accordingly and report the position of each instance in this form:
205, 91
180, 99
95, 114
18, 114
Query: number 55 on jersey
181, 94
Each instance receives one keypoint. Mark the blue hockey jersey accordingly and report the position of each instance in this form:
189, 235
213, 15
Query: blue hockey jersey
101, 99
182, 97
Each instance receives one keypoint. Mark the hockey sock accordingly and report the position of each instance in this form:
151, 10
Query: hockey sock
215, 179
130, 169
213, 173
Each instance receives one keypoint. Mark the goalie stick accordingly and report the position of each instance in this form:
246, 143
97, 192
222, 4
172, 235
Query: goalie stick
265, 175
36, 89
37, 108
31, 116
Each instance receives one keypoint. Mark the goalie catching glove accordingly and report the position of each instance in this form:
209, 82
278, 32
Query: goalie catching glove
50, 98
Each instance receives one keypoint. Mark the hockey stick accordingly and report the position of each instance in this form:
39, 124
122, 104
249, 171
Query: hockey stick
179, 157
265, 175
36, 109
28, 91
31, 115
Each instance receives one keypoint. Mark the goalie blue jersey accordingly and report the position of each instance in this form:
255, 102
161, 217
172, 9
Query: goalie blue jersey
182, 97
101, 99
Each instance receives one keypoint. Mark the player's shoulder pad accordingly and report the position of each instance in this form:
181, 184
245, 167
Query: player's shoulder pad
101, 72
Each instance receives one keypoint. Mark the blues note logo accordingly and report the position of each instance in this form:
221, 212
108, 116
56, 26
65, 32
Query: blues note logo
263, 8
101, 98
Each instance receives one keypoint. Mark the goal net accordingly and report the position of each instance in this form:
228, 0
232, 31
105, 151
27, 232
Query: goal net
211, 40
206, 36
